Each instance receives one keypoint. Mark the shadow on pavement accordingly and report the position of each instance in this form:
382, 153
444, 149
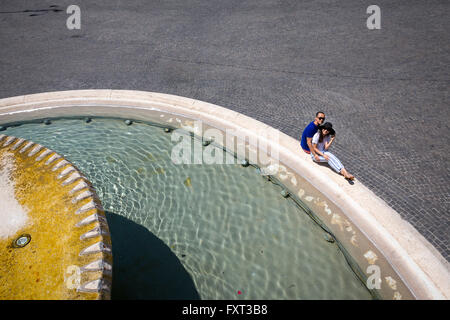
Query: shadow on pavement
324, 164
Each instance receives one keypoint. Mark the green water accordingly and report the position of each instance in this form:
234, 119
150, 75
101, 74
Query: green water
195, 231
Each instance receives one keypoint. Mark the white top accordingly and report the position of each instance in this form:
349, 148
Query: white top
320, 145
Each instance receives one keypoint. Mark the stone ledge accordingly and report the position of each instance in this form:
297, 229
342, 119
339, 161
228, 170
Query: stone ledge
418, 263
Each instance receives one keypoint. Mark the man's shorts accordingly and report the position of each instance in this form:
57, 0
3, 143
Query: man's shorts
308, 152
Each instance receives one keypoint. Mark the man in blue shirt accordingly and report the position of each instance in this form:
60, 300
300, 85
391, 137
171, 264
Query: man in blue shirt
309, 132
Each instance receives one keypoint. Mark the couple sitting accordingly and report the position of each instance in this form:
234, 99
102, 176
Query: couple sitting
317, 139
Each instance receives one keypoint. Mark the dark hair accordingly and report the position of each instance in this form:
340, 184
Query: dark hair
320, 112
321, 135
328, 126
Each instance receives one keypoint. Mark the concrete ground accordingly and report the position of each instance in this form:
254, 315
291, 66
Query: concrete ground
385, 91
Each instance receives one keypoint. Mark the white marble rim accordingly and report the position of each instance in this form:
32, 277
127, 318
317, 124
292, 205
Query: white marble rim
422, 268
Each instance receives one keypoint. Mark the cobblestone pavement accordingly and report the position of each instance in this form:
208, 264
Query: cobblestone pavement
386, 91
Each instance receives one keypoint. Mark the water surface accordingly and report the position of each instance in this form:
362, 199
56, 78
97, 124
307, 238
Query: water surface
195, 231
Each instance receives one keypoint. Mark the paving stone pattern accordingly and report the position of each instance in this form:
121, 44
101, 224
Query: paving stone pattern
386, 91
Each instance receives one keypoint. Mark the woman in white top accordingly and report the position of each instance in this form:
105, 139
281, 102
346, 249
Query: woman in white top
321, 142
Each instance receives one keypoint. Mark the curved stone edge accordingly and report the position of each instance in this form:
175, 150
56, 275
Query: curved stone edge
81, 190
418, 263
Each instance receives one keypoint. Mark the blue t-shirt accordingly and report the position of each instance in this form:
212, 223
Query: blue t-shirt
309, 132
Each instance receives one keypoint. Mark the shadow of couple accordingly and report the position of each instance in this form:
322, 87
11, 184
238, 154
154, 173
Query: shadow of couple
324, 164
144, 267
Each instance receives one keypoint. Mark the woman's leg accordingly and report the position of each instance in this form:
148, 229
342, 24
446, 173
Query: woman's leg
338, 166
346, 174
321, 159
334, 162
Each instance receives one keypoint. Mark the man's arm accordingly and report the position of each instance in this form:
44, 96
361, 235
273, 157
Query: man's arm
312, 148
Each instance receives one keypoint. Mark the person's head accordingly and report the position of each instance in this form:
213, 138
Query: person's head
320, 118
326, 129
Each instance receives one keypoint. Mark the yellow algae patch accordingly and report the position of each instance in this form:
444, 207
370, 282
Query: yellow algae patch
188, 182
52, 265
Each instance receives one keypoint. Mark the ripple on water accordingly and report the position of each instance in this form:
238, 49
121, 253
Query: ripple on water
230, 228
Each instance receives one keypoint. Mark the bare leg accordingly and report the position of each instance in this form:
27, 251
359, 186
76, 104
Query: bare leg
346, 174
